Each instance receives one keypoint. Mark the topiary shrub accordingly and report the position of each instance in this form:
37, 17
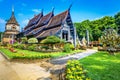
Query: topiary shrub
67, 48
75, 71
32, 40
51, 40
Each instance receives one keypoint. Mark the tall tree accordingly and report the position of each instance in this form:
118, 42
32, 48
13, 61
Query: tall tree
117, 21
95, 27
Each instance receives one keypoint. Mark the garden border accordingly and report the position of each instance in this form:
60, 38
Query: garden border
5, 56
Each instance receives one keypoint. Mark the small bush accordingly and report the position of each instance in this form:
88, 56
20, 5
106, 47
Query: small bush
72, 46
45, 47
32, 47
21, 46
75, 71
15, 45
67, 48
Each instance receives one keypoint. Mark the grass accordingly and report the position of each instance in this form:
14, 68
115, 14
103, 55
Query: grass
26, 54
102, 66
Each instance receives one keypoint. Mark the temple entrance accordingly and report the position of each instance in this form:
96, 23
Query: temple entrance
65, 35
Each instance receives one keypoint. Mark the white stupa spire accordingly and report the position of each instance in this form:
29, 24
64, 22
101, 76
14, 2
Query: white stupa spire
12, 8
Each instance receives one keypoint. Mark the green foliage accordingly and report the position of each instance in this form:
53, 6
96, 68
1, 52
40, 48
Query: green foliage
67, 48
75, 71
51, 40
45, 47
32, 47
21, 46
72, 46
32, 40
117, 21
16, 45
1, 34
82, 27
95, 27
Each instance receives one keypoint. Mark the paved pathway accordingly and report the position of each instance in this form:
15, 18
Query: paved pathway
20, 71
78, 56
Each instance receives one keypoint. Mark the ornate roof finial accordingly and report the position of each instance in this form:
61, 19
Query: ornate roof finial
42, 10
70, 7
53, 9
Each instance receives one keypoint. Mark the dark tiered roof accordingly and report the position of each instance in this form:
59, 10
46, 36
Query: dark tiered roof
12, 20
54, 25
34, 20
48, 24
43, 21
49, 32
56, 20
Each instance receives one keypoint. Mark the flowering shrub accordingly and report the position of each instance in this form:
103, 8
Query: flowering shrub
75, 71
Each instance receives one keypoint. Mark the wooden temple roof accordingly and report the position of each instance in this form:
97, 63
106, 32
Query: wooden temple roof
48, 24
44, 20
56, 20
34, 20
54, 25
49, 32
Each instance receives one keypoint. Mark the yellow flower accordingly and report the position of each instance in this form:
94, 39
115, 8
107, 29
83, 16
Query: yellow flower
80, 68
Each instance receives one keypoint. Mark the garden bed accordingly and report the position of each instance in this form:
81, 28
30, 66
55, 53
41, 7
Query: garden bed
31, 55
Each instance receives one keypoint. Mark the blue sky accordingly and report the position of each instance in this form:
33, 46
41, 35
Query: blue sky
80, 10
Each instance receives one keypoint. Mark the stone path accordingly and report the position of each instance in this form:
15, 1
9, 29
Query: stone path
78, 56
21, 71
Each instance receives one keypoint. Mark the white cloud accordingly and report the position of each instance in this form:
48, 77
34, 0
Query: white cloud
2, 21
25, 22
23, 4
36, 10
20, 14
2, 25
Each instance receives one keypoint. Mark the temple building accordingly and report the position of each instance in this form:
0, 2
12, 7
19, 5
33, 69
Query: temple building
42, 26
12, 28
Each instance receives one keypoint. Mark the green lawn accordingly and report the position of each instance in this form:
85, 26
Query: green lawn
26, 54
102, 66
